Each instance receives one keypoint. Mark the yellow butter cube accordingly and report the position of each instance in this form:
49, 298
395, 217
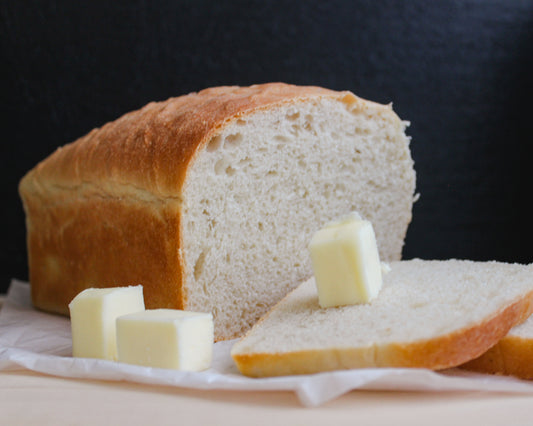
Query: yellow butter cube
346, 262
166, 338
93, 313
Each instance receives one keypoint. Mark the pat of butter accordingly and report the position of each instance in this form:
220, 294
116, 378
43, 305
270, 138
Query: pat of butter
346, 262
93, 314
166, 338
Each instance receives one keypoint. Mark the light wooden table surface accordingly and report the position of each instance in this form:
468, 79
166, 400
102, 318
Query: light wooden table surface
28, 398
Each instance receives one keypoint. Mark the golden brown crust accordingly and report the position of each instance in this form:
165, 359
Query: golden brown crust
511, 356
105, 209
77, 247
439, 353
151, 148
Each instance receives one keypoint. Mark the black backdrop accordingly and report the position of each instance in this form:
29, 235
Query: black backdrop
460, 71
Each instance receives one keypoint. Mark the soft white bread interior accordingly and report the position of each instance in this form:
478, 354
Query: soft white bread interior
262, 187
209, 200
430, 314
511, 356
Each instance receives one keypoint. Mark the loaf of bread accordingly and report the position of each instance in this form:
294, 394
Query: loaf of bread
429, 314
209, 200
511, 356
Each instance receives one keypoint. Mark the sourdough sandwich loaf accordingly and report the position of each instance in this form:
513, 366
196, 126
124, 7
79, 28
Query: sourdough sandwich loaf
429, 314
209, 200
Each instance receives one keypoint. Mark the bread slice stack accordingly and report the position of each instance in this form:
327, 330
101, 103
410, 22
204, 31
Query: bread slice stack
429, 314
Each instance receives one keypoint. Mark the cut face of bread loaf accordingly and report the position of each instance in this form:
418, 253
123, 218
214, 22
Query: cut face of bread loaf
209, 200
429, 314
511, 356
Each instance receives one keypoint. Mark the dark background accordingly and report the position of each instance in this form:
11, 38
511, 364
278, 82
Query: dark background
460, 71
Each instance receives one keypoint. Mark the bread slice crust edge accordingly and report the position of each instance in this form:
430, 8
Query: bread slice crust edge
442, 352
511, 356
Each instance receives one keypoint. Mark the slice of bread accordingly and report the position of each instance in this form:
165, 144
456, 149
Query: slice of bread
511, 356
429, 314
209, 200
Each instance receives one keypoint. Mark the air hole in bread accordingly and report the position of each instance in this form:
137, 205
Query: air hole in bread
309, 127
232, 141
362, 131
295, 129
214, 144
293, 116
281, 138
244, 162
221, 166
199, 265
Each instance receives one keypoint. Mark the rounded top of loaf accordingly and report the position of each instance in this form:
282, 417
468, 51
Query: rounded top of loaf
148, 151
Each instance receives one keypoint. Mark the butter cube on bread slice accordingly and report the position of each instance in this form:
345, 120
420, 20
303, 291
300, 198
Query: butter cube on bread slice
93, 314
345, 260
429, 314
166, 338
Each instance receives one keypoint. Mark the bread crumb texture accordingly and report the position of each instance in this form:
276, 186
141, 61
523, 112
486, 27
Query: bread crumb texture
267, 182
